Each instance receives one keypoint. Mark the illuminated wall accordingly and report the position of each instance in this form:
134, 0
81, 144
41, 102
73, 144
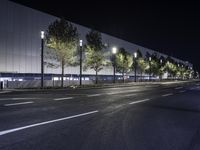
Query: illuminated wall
20, 28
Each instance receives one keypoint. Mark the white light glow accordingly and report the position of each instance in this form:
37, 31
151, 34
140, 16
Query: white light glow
149, 58
42, 34
114, 50
135, 55
81, 42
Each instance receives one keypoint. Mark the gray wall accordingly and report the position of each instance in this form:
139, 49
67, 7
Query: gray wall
20, 28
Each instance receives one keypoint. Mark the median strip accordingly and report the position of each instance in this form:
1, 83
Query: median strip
167, 94
46, 122
65, 98
139, 101
14, 104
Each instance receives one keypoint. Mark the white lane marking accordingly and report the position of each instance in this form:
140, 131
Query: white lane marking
112, 93
119, 92
148, 86
23, 98
45, 122
2, 99
1, 92
128, 95
169, 94
139, 101
182, 91
14, 104
93, 95
65, 98
178, 88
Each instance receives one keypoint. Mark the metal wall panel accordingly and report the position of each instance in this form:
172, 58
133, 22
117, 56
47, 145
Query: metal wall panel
20, 40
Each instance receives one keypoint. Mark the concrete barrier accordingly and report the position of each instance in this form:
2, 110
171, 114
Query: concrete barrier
47, 84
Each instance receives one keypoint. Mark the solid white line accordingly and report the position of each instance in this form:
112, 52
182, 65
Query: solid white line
169, 94
178, 88
46, 122
14, 104
93, 95
140, 101
59, 99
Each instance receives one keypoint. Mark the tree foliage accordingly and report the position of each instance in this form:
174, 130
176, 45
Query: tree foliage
62, 39
124, 61
94, 53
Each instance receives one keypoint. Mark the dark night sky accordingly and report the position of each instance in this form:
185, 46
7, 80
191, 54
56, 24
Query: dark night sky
169, 27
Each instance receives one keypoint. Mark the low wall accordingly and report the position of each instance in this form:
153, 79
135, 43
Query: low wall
37, 84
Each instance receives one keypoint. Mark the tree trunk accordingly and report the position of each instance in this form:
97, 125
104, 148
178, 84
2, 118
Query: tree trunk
141, 76
123, 77
62, 67
96, 80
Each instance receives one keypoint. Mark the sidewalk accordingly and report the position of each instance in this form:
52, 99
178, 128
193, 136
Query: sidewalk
111, 85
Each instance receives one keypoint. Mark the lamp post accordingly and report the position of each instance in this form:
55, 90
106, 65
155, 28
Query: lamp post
149, 68
42, 59
81, 45
114, 51
160, 74
135, 57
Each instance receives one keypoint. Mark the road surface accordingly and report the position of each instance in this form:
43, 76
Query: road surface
151, 117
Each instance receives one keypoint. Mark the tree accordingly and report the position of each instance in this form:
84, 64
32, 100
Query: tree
124, 61
62, 37
161, 67
94, 54
141, 63
154, 64
171, 67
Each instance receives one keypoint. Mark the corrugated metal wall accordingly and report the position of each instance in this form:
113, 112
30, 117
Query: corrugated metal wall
20, 28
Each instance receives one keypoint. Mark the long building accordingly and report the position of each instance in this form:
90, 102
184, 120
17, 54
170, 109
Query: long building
20, 42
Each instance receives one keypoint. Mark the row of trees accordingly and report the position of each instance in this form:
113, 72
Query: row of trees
62, 38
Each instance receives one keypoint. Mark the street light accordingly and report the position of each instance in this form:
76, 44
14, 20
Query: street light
81, 45
149, 68
135, 57
42, 59
114, 51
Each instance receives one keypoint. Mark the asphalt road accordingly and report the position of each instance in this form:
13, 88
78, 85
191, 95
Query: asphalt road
152, 117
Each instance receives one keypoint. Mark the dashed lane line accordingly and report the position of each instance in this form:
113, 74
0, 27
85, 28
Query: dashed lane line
14, 104
64, 98
177, 88
17, 98
129, 95
94, 95
2, 92
182, 91
169, 94
139, 101
119, 92
46, 122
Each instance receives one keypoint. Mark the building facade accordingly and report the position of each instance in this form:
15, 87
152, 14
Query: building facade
20, 42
